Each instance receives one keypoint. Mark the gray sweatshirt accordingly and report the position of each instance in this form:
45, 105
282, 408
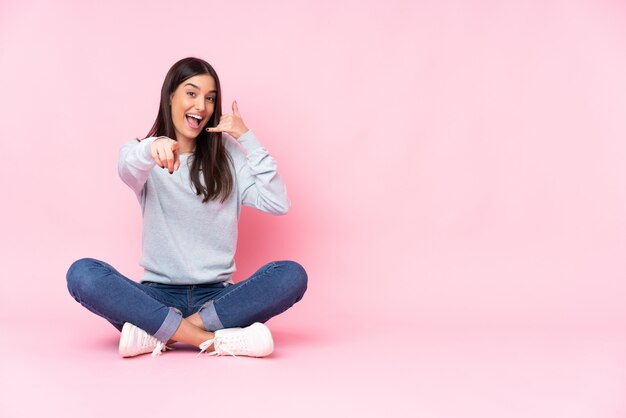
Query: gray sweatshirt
185, 241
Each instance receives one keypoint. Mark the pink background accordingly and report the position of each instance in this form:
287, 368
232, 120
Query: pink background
458, 187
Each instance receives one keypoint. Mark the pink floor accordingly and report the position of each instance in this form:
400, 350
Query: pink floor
73, 370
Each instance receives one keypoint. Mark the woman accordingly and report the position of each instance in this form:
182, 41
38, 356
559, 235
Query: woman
191, 181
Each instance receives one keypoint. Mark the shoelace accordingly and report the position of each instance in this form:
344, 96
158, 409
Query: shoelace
160, 347
204, 346
220, 349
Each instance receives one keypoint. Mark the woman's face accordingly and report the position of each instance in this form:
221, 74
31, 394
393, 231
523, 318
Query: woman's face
192, 105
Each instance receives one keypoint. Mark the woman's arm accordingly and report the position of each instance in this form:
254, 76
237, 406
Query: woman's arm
135, 163
259, 183
137, 159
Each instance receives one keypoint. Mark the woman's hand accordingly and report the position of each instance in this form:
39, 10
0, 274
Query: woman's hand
231, 123
164, 151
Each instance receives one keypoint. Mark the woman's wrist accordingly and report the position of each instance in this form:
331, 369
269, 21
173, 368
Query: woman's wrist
240, 133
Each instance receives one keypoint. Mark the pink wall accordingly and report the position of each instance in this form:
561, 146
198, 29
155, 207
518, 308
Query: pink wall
456, 163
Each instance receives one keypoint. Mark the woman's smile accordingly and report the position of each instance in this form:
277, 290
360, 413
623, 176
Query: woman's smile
194, 121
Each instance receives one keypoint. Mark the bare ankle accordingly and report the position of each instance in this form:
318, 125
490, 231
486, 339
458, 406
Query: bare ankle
196, 320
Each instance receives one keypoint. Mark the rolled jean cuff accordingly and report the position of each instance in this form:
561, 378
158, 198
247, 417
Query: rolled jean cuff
209, 317
169, 326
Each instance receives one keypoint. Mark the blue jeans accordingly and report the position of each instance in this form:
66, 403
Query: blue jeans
159, 308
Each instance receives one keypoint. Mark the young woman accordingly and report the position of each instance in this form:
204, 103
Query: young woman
191, 181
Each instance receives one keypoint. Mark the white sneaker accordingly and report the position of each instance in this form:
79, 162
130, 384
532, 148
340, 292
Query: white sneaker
135, 341
253, 341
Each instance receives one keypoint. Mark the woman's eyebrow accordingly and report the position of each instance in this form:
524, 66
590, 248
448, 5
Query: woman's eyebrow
198, 88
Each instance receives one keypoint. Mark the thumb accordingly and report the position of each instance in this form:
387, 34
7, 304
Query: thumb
175, 146
236, 109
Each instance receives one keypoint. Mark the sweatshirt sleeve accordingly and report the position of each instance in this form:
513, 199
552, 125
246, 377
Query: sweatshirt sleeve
135, 163
260, 185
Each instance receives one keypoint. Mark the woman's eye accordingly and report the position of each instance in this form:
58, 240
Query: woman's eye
211, 99
191, 93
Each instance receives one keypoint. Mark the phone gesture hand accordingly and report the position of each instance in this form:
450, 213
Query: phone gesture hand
231, 123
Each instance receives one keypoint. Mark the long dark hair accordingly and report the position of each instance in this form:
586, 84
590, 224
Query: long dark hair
210, 157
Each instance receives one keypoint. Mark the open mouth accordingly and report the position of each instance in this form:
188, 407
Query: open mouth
193, 121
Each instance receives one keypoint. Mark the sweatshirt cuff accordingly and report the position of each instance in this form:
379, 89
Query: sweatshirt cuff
144, 153
249, 141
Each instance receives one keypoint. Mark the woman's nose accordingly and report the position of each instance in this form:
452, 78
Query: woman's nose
200, 104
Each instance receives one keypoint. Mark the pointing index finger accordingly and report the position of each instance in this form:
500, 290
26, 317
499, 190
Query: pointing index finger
176, 153
235, 108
